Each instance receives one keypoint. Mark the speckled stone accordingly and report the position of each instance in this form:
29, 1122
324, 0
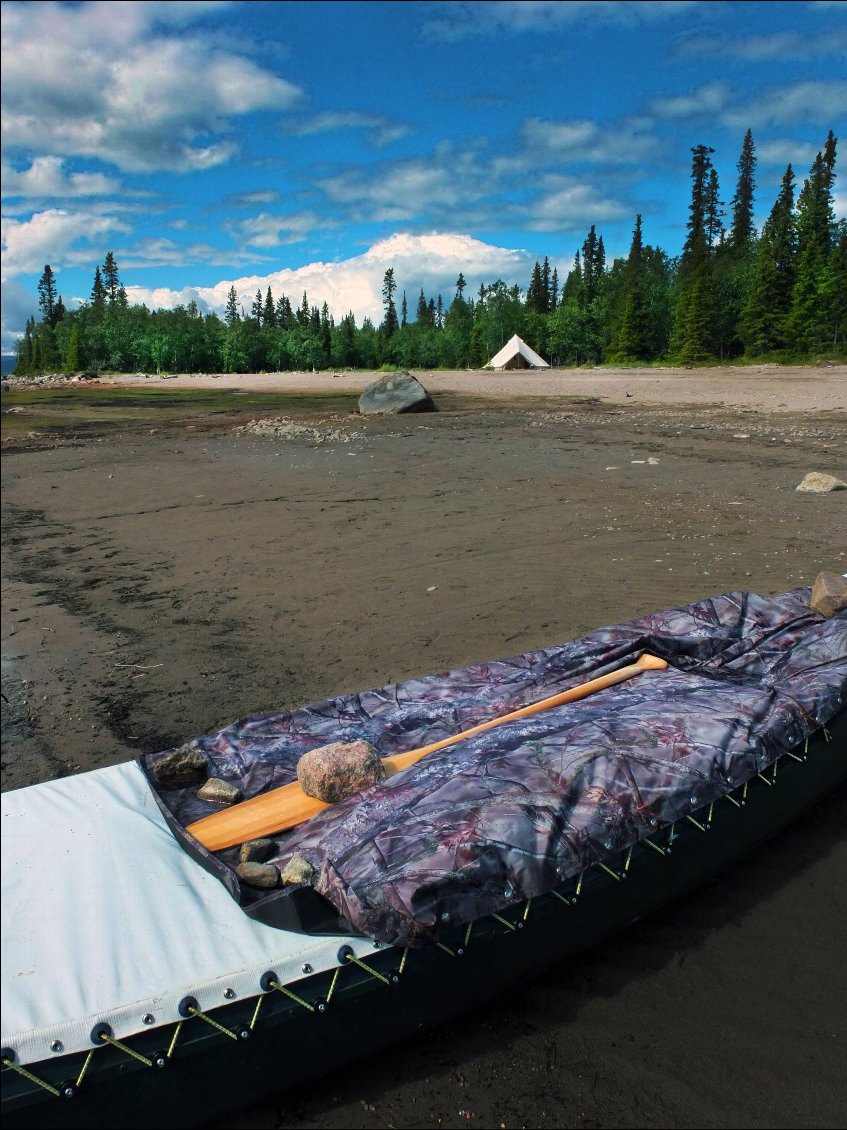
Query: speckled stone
819, 483
297, 870
335, 771
216, 791
256, 851
184, 766
264, 875
829, 594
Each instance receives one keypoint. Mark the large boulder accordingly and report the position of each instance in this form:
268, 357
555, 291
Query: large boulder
395, 392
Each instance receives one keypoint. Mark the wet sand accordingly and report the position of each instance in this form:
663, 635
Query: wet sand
157, 586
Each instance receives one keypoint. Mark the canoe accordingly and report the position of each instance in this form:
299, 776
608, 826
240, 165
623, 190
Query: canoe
139, 973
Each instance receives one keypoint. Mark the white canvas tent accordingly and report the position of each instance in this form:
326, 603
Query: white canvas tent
516, 354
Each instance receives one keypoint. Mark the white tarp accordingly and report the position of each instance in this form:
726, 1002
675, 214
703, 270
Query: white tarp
516, 354
106, 918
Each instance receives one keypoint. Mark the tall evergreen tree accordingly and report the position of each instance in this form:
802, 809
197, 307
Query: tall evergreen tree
714, 211
593, 263
460, 286
696, 241
404, 311
389, 287
545, 285
269, 311
111, 278
535, 299
422, 312
554, 290
763, 317
258, 308
98, 291
303, 312
632, 341
693, 322
742, 232
232, 316
47, 296
812, 314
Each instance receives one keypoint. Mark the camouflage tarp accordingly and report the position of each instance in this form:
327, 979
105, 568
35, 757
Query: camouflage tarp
508, 814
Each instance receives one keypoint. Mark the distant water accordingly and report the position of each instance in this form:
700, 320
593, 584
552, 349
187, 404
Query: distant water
9, 360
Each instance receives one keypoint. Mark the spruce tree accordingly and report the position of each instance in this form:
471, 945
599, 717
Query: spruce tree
590, 263
763, 317
742, 232
632, 341
47, 296
389, 287
98, 291
535, 291
111, 278
714, 211
269, 312
303, 313
811, 317
693, 331
258, 308
422, 312
232, 315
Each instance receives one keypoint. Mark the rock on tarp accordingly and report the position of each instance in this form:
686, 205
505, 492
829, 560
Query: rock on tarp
395, 392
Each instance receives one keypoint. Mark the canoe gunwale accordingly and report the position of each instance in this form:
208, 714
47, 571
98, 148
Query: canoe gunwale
393, 987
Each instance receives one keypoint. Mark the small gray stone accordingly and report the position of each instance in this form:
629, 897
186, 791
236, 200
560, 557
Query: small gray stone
184, 766
256, 851
819, 483
264, 875
395, 392
335, 771
297, 870
217, 791
829, 594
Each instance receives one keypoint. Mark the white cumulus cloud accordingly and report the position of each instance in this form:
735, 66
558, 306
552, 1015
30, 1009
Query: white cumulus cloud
47, 177
55, 235
432, 261
109, 81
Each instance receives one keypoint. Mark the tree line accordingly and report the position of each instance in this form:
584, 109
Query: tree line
733, 293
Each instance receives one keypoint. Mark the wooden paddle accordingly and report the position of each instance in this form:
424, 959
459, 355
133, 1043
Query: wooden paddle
282, 808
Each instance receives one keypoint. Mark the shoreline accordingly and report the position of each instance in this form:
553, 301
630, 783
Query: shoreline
768, 387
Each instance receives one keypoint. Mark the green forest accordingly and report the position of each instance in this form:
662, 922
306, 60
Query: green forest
734, 294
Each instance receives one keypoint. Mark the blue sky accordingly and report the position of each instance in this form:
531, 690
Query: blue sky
313, 145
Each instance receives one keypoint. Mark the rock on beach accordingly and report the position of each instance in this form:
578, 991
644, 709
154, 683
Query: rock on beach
819, 483
395, 392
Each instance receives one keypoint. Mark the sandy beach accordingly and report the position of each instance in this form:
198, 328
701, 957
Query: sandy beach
159, 583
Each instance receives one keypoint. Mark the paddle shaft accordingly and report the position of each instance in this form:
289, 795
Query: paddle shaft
283, 808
